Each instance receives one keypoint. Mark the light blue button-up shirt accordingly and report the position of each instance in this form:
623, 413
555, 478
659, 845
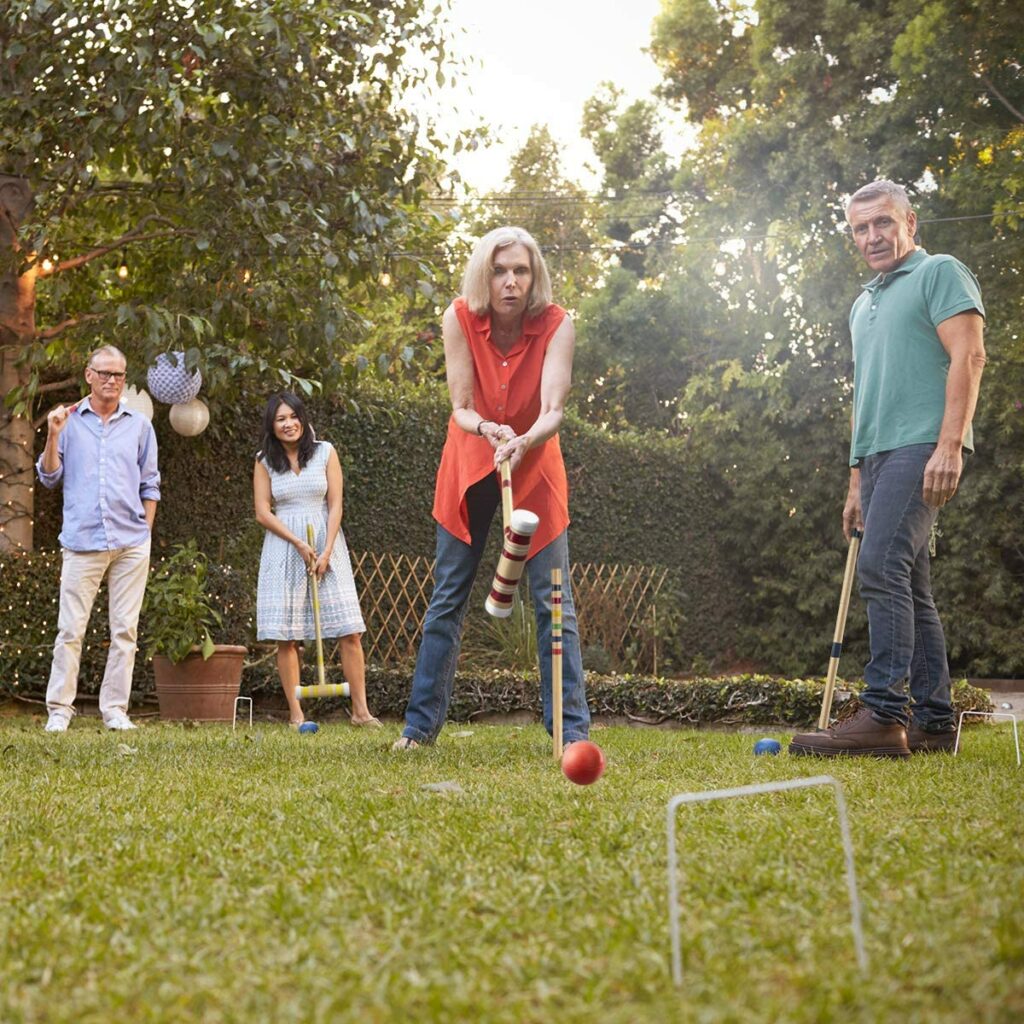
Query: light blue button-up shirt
108, 469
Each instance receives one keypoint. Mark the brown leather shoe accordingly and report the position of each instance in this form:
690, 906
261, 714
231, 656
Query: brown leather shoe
921, 741
861, 735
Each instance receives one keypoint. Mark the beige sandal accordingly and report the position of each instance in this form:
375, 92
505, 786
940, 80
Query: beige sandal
367, 723
404, 743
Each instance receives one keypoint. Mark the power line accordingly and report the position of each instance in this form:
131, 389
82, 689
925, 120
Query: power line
624, 247
527, 198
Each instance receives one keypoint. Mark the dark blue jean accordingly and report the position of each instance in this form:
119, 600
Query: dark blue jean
454, 572
906, 638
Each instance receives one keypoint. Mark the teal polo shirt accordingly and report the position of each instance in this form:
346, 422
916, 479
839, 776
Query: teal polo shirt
899, 364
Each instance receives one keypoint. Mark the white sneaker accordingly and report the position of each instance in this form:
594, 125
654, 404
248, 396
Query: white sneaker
57, 722
119, 720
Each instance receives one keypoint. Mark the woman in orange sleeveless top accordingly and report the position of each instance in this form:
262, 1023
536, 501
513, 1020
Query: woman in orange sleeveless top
508, 357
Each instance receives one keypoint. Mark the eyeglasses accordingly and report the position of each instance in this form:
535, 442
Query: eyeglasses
104, 375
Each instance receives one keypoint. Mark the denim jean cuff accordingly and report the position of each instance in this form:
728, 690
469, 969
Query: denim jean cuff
888, 718
415, 734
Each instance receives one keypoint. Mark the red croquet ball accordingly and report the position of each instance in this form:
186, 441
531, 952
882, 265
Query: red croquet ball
583, 762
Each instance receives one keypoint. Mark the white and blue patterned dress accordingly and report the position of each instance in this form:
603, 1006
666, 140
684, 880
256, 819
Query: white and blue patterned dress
284, 597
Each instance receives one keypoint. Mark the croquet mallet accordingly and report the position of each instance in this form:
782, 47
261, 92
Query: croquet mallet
323, 688
837, 638
519, 526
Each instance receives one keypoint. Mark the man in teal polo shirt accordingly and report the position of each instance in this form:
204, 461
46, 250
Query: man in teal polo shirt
918, 357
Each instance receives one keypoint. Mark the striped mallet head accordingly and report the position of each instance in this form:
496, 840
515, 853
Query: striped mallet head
322, 690
510, 566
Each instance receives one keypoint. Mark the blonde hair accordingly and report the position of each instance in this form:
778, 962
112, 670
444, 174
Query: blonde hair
477, 278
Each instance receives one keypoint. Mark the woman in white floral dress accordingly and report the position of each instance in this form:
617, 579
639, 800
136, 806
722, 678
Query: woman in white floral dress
298, 480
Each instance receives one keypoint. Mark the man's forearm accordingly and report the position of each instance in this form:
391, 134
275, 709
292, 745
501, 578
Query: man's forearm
149, 508
962, 386
51, 454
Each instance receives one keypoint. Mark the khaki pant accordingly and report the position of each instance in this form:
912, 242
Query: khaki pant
127, 570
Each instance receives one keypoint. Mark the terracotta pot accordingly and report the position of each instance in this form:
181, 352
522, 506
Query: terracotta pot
197, 690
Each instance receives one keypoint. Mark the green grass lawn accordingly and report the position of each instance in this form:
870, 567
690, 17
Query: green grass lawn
181, 874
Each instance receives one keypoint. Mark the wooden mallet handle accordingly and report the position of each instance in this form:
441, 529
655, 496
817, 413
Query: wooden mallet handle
837, 637
506, 495
556, 663
311, 541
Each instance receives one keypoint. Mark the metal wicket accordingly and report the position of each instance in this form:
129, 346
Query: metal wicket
765, 787
988, 714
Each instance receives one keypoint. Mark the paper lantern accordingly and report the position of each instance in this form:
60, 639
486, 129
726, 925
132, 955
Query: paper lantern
138, 400
170, 382
190, 418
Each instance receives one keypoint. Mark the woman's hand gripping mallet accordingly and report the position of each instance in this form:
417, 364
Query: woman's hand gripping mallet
323, 688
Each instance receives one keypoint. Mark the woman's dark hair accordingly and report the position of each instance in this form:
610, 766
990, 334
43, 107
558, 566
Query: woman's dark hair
271, 448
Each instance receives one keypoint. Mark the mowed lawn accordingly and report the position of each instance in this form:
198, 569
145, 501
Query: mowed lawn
193, 874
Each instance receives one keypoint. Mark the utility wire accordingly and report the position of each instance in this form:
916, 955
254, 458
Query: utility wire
641, 246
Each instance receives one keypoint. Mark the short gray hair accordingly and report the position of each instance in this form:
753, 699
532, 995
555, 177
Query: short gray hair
106, 350
476, 279
881, 189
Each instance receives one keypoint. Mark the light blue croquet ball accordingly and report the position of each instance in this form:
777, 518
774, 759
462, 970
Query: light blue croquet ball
767, 746
312, 727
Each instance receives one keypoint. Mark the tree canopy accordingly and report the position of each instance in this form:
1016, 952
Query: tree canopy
226, 179
746, 276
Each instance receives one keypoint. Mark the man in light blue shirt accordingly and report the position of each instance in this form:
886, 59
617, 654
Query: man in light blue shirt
105, 456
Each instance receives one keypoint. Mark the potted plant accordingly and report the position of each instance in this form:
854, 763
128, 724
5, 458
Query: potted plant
196, 679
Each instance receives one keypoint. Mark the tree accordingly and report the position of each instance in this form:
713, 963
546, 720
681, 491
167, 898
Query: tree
249, 165
556, 211
637, 211
797, 105
654, 322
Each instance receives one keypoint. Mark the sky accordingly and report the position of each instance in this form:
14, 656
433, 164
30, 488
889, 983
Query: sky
538, 61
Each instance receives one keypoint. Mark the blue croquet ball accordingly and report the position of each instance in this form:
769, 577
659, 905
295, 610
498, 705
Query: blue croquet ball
767, 746
312, 727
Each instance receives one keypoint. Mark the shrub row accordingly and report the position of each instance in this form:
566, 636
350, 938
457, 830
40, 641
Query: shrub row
744, 700
754, 573
634, 500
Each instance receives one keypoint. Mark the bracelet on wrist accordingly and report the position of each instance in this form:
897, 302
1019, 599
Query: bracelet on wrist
480, 426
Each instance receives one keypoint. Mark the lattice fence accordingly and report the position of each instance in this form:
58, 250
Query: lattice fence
394, 591
616, 606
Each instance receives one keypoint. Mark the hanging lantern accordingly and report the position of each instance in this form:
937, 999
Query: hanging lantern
138, 400
170, 382
190, 418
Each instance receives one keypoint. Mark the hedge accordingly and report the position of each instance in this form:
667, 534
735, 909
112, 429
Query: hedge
735, 701
634, 500
752, 586
30, 622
